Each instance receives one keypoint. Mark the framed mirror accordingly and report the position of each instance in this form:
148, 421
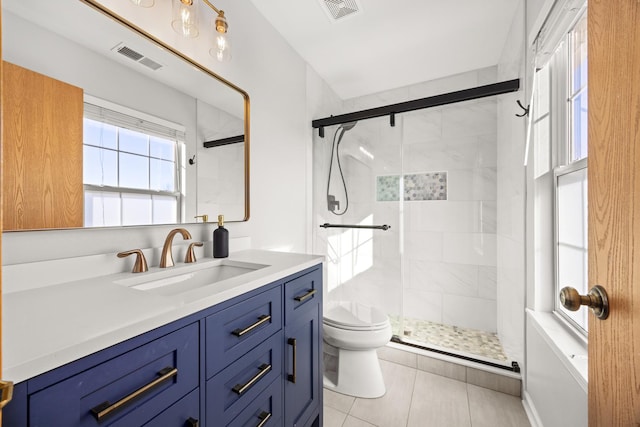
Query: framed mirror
105, 125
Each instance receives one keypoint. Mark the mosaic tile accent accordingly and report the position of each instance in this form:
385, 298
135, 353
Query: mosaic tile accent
466, 340
388, 188
417, 187
426, 186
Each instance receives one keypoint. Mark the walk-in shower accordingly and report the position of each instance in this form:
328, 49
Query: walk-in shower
405, 208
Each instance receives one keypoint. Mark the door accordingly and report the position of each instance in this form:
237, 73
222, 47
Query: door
614, 209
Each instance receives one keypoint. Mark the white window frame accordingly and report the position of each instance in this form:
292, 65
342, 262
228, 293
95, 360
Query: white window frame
554, 51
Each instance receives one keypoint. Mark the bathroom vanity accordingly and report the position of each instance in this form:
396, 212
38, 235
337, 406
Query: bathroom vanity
242, 351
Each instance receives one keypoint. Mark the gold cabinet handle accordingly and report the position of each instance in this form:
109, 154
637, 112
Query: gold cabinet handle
140, 266
105, 409
241, 388
292, 342
7, 392
596, 299
262, 319
192, 422
309, 294
264, 418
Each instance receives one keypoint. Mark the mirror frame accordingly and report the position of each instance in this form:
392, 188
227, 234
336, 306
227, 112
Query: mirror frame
110, 14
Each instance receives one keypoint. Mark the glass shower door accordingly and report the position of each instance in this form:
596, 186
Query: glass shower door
356, 186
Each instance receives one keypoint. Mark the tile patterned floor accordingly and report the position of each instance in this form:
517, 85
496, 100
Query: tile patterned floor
416, 398
454, 338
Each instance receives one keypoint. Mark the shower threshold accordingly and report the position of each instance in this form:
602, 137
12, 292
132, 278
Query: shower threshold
463, 343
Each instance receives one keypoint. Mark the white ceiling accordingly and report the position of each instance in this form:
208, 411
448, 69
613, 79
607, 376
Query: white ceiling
389, 44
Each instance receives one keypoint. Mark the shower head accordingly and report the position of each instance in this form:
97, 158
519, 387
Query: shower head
348, 126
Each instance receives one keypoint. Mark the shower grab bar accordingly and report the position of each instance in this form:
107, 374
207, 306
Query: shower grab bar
384, 227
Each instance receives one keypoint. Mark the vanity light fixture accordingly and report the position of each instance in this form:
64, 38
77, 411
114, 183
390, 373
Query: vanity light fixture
185, 23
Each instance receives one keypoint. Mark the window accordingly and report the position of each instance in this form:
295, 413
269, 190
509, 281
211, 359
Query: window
131, 169
559, 126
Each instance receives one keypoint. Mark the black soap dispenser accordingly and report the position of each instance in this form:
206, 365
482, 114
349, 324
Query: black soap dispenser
220, 240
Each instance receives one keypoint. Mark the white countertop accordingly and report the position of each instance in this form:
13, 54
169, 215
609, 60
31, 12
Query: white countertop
50, 326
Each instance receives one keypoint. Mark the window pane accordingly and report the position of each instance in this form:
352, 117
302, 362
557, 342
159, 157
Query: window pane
101, 209
579, 60
99, 134
134, 171
165, 210
134, 142
136, 209
100, 167
162, 148
580, 131
572, 237
162, 175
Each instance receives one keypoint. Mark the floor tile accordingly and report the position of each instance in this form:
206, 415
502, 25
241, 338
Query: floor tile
494, 409
356, 422
341, 402
392, 409
333, 417
493, 381
395, 355
438, 401
443, 368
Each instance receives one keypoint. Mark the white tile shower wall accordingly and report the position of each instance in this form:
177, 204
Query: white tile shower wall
450, 246
510, 276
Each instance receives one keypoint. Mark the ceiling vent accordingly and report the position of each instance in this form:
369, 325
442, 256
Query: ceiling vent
339, 9
128, 52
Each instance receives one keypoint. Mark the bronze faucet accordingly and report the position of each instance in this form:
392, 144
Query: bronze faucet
166, 259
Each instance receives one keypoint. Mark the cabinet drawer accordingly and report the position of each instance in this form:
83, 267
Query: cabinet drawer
234, 331
183, 413
266, 409
167, 367
230, 391
301, 292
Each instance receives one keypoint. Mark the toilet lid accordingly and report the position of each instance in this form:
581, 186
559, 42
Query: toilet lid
353, 315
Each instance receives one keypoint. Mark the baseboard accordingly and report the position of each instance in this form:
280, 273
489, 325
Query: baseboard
530, 409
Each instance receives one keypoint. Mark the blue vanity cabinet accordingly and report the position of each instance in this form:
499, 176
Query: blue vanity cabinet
130, 389
303, 338
253, 360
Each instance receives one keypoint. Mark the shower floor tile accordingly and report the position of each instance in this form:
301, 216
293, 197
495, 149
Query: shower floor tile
467, 340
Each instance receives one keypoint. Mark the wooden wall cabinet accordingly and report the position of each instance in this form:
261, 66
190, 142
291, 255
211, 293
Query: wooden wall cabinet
233, 364
42, 151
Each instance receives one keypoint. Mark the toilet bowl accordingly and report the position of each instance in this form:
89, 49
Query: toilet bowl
352, 333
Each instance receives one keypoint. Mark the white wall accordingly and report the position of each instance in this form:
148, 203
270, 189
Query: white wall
275, 77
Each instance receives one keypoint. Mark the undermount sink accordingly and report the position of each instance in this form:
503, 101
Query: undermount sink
186, 278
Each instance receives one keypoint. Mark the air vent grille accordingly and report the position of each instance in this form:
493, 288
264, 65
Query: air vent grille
130, 53
340, 8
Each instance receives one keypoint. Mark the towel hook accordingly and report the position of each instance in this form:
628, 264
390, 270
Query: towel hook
525, 109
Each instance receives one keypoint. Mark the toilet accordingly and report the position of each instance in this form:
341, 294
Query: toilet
352, 333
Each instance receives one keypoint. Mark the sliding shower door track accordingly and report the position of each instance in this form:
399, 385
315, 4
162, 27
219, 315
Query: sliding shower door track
513, 368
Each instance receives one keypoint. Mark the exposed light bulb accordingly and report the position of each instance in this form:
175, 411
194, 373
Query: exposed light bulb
221, 49
185, 18
143, 3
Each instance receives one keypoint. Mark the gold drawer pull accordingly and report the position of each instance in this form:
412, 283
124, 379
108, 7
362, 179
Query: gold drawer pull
6, 387
241, 388
292, 342
104, 409
262, 319
264, 418
305, 296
